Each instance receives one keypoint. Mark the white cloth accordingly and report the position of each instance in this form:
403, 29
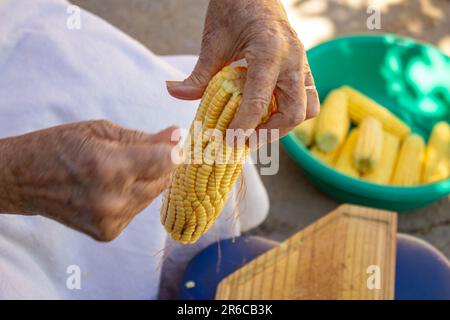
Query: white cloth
51, 75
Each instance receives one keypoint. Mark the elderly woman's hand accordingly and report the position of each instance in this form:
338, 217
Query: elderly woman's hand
259, 31
92, 176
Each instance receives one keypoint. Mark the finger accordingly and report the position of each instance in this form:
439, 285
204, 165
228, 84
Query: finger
126, 136
149, 162
146, 191
143, 192
192, 88
313, 103
261, 80
141, 195
291, 103
169, 135
275, 129
312, 96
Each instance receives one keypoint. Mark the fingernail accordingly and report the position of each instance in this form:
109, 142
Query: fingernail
180, 85
173, 133
180, 89
171, 84
176, 135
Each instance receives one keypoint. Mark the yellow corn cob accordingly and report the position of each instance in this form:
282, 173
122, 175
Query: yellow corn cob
409, 163
344, 163
383, 171
360, 107
437, 155
333, 122
305, 131
367, 152
199, 191
327, 157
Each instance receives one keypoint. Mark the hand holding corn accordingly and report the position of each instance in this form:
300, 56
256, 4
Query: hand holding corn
92, 176
259, 31
199, 191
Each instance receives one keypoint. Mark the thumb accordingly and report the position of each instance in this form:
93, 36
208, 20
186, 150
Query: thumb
151, 162
192, 88
170, 135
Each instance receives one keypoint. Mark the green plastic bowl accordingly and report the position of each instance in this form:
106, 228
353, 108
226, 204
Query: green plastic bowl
411, 79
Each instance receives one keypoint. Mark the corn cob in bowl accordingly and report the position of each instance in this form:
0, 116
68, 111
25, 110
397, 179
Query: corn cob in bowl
362, 67
369, 145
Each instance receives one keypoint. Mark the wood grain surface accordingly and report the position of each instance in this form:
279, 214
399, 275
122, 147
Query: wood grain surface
337, 257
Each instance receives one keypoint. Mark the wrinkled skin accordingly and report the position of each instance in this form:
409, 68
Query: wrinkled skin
95, 176
92, 176
257, 30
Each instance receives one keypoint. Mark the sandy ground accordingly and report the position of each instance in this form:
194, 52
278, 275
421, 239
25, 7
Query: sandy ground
175, 26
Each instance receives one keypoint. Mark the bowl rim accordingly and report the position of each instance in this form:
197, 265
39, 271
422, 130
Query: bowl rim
327, 173
390, 37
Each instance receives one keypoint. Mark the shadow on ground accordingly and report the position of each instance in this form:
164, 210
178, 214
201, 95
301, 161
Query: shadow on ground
425, 20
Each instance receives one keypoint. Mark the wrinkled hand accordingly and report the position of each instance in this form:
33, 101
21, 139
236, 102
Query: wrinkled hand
92, 176
257, 30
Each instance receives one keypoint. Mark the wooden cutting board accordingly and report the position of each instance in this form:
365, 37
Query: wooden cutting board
347, 254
